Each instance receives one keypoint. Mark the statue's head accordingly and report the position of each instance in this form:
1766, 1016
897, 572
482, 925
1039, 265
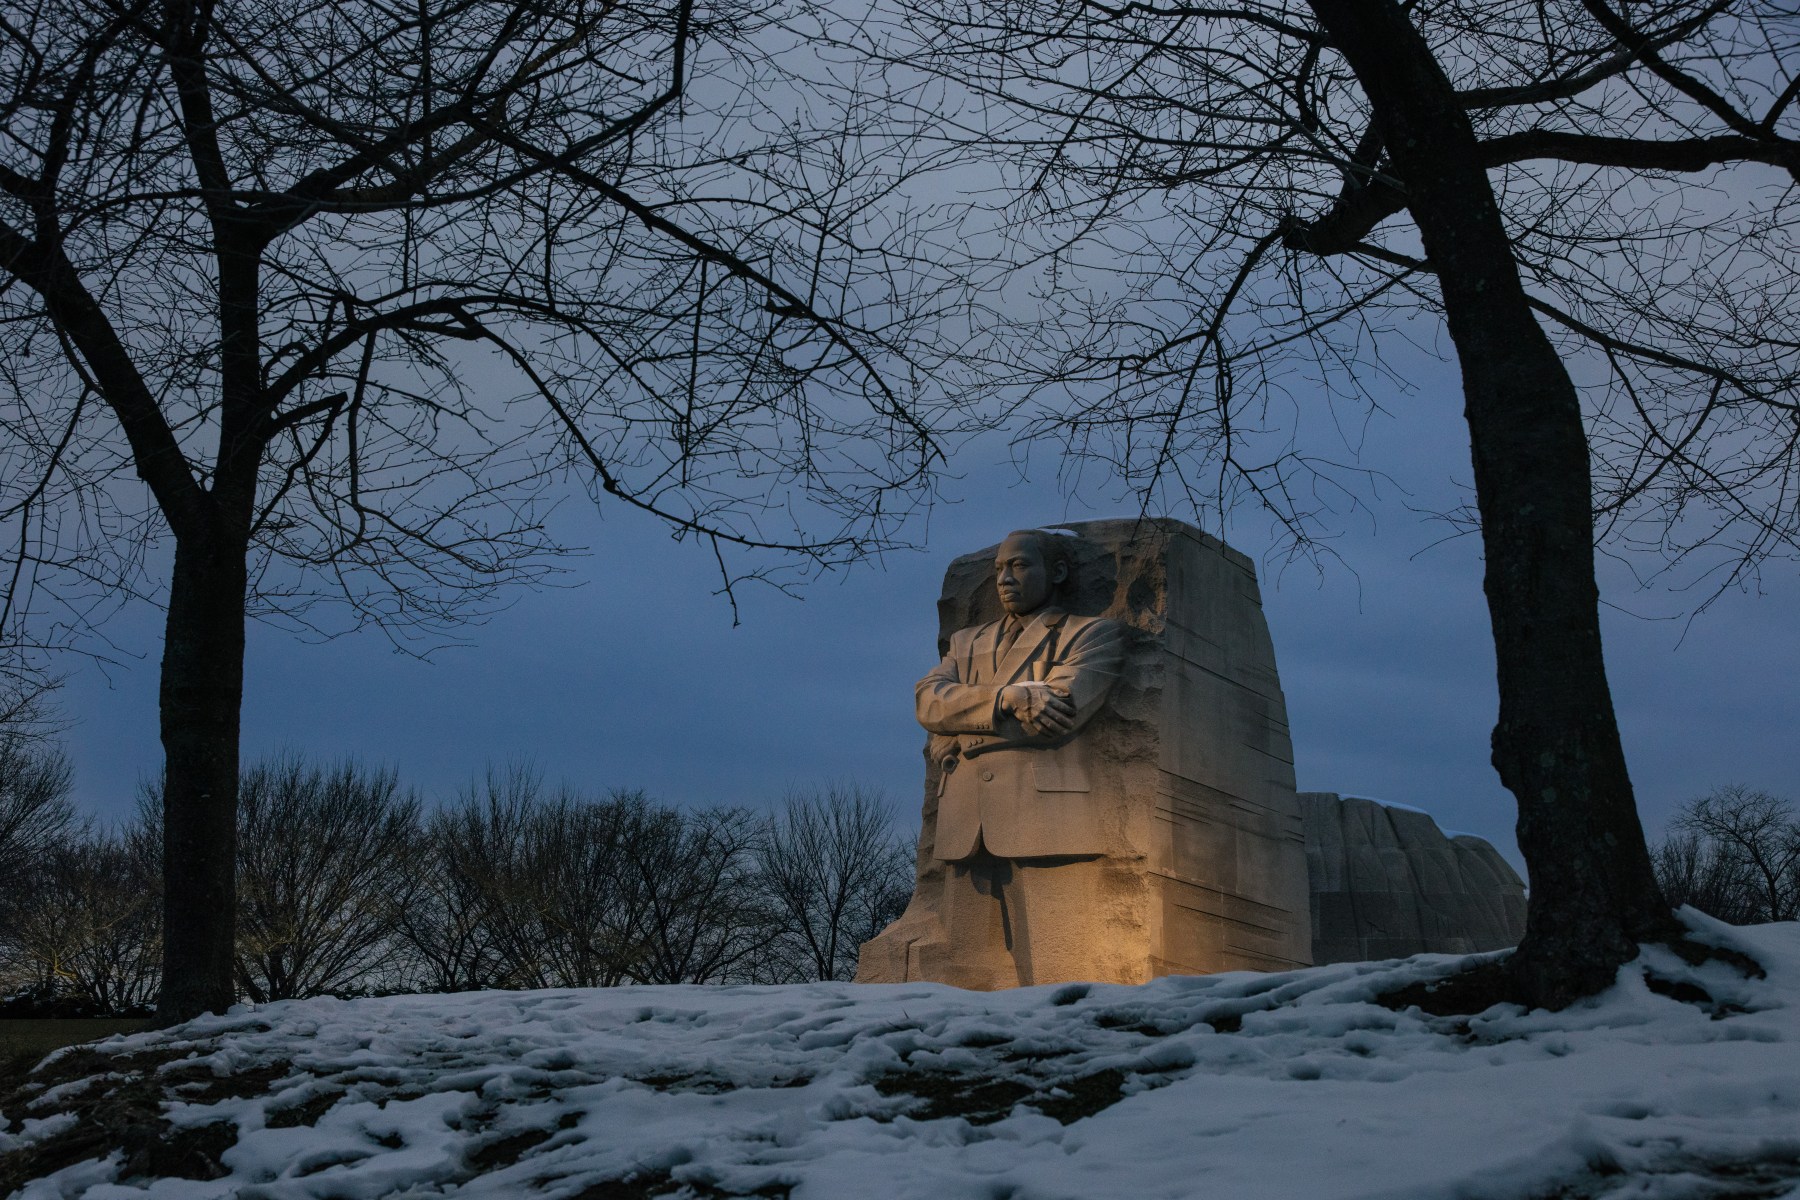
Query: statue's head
1028, 569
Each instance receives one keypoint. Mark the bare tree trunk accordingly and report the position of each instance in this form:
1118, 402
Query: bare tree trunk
202, 692
1594, 895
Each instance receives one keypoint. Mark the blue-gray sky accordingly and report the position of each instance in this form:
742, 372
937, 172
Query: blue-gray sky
637, 678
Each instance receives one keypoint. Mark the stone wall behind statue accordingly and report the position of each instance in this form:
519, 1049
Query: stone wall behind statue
1386, 882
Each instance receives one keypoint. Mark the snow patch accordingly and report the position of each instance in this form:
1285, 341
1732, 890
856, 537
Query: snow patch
1246, 1086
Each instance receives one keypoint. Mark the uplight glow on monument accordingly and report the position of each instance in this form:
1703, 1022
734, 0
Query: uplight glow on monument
1111, 795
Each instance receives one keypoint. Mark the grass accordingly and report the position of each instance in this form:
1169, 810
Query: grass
33, 1038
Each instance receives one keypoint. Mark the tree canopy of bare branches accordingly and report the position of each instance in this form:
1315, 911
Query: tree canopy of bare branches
837, 873
85, 924
303, 301
524, 886
328, 860
692, 876
1217, 244
35, 809
1224, 214
349, 886
1734, 853
543, 885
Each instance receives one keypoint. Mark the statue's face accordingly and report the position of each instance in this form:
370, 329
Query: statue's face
1021, 575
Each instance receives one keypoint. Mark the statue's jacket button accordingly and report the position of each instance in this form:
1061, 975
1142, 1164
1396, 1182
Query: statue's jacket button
987, 777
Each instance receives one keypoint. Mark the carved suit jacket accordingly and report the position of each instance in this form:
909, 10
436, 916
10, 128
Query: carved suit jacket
1023, 796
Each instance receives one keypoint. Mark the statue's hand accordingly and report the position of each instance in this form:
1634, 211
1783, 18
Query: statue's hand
1041, 709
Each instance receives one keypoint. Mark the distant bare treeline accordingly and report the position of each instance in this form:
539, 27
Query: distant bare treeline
1735, 855
349, 884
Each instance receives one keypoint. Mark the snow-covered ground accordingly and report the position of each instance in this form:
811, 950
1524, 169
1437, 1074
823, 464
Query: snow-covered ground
1236, 1086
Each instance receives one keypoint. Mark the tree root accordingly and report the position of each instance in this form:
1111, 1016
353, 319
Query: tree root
1486, 984
1463, 994
1695, 952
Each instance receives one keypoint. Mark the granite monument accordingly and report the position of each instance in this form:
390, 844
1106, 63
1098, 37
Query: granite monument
1386, 882
1109, 783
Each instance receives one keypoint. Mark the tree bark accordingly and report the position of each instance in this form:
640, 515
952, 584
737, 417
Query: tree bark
201, 696
1594, 896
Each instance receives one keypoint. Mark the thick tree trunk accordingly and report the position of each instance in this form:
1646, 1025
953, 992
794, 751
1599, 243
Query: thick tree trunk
202, 691
1594, 896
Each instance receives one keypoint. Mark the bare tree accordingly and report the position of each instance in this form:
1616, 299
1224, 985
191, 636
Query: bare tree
1694, 870
527, 887
1746, 846
837, 872
692, 875
445, 939
325, 300
86, 924
1226, 212
555, 898
327, 864
36, 812
27, 709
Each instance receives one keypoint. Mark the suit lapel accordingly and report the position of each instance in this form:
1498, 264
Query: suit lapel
984, 653
1035, 633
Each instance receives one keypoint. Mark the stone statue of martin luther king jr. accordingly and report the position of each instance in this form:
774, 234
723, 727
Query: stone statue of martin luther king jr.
1016, 823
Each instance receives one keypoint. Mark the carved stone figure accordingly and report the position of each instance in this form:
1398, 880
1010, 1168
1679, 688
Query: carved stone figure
1109, 784
1015, 818
1008, 702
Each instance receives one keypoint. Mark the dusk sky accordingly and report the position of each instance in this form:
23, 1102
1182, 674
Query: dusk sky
636, 677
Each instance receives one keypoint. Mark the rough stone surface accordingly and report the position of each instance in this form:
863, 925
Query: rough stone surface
1191, 770
1387, 882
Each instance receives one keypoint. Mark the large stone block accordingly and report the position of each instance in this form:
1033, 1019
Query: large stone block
1191, 771
1386, 882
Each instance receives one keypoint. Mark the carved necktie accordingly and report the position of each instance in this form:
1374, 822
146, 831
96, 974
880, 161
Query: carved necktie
1009, 633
